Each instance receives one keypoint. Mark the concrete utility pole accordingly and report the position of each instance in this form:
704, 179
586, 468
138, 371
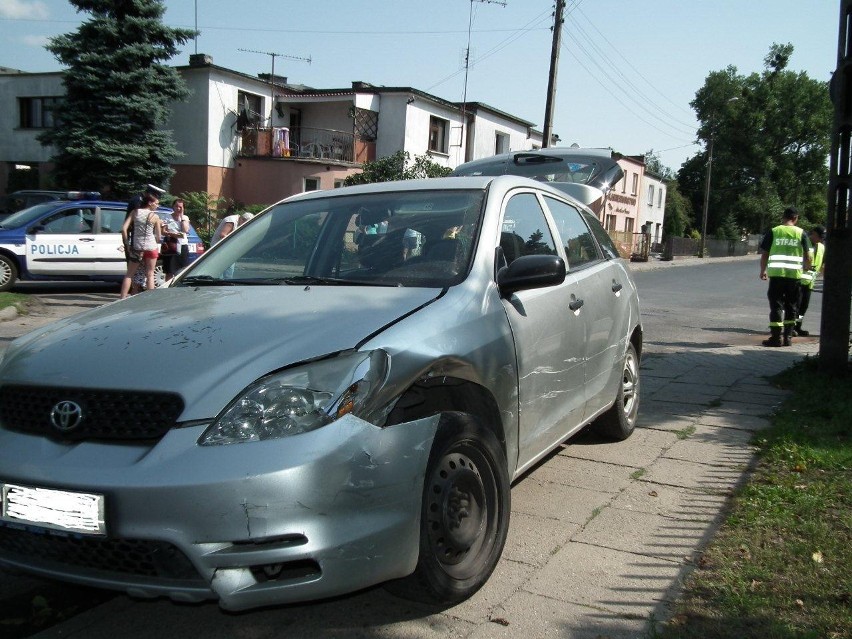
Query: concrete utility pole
551, 79
837, 284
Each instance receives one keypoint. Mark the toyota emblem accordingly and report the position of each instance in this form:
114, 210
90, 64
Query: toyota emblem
66, 415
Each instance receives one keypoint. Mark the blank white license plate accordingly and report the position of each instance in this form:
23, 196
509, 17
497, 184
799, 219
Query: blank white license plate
56, 509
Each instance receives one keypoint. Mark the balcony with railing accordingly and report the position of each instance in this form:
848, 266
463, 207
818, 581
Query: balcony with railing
307, 143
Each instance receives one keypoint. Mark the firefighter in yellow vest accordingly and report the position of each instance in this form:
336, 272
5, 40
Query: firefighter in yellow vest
785, 254
808, 279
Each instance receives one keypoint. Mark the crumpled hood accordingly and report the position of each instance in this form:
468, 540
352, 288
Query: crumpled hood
204, 343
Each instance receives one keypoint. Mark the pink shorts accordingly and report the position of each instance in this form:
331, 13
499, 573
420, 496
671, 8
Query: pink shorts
151, 255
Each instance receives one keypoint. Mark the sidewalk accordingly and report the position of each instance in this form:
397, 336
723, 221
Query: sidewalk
601, 538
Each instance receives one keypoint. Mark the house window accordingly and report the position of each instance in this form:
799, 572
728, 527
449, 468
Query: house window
311, 184
610, 222
250, 104
501, 144
650, 195
438, 134
38, 113
338, 183
635, 186
628, 224
624, 183
660, 198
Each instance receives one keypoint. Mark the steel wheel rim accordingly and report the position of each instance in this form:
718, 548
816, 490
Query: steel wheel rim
461, 512
630, 387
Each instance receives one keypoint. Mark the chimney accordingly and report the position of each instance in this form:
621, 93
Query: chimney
200, 60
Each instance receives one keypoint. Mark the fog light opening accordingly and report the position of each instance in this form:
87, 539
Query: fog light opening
289, 570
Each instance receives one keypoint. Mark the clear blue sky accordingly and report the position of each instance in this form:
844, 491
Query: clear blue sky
627, 70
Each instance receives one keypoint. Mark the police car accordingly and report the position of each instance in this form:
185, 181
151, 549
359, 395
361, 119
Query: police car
69, 239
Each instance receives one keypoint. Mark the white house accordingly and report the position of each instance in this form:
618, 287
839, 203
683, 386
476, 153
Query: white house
256, 140
652, 207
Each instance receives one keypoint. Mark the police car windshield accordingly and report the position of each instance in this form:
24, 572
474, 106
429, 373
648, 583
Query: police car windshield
25, 217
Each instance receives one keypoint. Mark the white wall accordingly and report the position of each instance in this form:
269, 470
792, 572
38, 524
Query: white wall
486, 128
653, 211
21, 145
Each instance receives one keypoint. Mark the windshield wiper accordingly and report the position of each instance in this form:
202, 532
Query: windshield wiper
296, 280
203, 280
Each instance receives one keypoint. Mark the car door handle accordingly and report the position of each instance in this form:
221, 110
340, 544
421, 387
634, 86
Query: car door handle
575, 305
616, 287
85, 239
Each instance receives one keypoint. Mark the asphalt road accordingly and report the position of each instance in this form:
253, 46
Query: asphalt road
688, 309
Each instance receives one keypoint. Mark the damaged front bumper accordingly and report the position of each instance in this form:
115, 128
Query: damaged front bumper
294, 519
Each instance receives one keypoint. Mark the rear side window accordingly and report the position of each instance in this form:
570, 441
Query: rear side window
604, 240
111, 220
580, 246
525, 230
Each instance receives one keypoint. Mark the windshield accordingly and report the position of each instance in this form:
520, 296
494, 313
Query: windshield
405, 238
27, 216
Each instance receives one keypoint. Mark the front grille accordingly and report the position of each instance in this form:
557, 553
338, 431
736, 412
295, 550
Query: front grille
106, 556
106, 414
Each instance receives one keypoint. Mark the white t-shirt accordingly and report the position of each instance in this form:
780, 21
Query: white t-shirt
231, 219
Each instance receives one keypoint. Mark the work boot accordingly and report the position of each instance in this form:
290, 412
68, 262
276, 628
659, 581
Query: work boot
800, 332
774, 338
788, 336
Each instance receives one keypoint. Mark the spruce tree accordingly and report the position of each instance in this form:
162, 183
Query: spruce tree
118, 92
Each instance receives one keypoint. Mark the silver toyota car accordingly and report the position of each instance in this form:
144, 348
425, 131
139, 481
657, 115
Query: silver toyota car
340, 394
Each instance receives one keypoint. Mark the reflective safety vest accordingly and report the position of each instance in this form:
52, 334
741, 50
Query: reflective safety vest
785, 255
808, 278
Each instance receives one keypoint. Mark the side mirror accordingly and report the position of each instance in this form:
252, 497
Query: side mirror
531, 271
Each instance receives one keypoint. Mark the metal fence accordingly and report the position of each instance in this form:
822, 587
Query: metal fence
683, 246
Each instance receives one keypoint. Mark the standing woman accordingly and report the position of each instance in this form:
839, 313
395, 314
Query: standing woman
144, 249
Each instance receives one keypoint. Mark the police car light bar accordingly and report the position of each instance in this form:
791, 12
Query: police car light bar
83, 195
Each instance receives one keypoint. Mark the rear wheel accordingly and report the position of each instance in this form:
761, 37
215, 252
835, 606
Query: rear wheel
8, 273
620, 420
464, 515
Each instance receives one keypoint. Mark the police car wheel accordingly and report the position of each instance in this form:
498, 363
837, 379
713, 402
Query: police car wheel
8, 273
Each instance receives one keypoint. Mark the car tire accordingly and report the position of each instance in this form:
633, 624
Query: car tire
159, 275
8, 273
619, 421
464, 514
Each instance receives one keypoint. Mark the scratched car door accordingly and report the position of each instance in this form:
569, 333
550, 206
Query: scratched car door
62, 243
549, 336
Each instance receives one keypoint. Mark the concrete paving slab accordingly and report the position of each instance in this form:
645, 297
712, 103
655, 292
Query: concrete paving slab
533, 540
562, 503
714, 451
507, 579
742, 408
527, 616
687, 474
608, 580
673, 423
640, 533
639, 451
573, 471
733, 420
670, 501
769, 402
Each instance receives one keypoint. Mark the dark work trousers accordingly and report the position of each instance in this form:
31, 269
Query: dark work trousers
804, 299
783, 297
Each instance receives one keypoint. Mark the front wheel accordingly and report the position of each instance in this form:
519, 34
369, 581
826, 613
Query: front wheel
620, 420
8, 273
464, 515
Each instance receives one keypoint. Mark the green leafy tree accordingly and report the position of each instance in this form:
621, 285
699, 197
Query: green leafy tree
655, 165
398, 166
678, 211
769, 133
117, 92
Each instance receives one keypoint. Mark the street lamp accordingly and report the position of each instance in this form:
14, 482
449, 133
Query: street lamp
707, 183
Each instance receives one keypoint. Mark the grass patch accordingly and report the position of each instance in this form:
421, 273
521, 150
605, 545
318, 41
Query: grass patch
685, 433
13, 299
779, 568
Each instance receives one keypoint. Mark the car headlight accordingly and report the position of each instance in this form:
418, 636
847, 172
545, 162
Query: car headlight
302, 399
